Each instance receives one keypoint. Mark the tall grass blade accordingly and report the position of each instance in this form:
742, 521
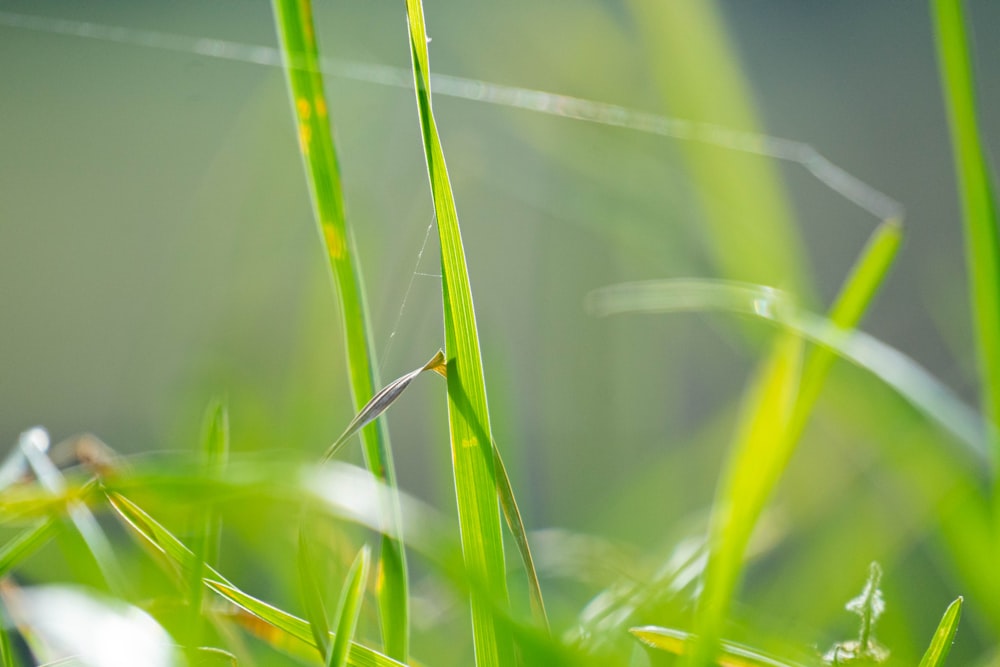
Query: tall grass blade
164, 543
751, 231
384, 399
979, 205
753, 468
937, 652
300, 55
775, 417
349, 608
6, 650
471, 440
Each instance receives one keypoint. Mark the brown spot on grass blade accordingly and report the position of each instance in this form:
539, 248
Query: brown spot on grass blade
381, 401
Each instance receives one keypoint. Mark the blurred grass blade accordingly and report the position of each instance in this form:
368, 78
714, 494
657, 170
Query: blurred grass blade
381, 401
360, 655
205, 544
349, 608
730, 654
164, 542
25, 544
903, 374
6, 650
856, 294
34, 443
979, 206
300, 54
312, 596
750, 229
208, 656
760, 451
937, 652
471, 440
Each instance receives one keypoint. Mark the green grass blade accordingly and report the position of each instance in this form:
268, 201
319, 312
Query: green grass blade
937, 652
163, 542
515, 523
360, 655
911, 381
775, 418
25, 544
750, 229
300, 54
6, 650
979, 205
856, 294
312, 597
349, 608
471, 442
754, 467
731, 654
214, 455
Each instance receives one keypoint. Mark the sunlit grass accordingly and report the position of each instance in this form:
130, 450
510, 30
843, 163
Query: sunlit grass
302, 533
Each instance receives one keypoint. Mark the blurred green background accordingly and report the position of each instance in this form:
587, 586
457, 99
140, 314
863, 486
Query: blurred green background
157, 248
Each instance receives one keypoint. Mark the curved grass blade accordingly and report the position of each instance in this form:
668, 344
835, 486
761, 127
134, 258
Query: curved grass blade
940, 646
360, 655
164, 543
471, 440
730, 654
300, 55
349, 608
895, 369
976, 184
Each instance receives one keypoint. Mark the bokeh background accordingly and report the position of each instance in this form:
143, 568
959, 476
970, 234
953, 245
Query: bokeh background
157, 249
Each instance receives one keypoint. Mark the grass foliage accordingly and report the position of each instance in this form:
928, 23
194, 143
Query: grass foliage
684, 605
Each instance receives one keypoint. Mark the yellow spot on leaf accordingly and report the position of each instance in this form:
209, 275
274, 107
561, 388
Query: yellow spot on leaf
304, 108
469, 442
321, 108
334, 241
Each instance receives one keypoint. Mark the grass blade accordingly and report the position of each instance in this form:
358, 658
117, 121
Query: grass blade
905, 376
731, 654
349, 608
360, 655
471, 440
164, 543
505, 493
25, 544
214, 455
312, 597
759, 452
300, 54
937, 652
979, 205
